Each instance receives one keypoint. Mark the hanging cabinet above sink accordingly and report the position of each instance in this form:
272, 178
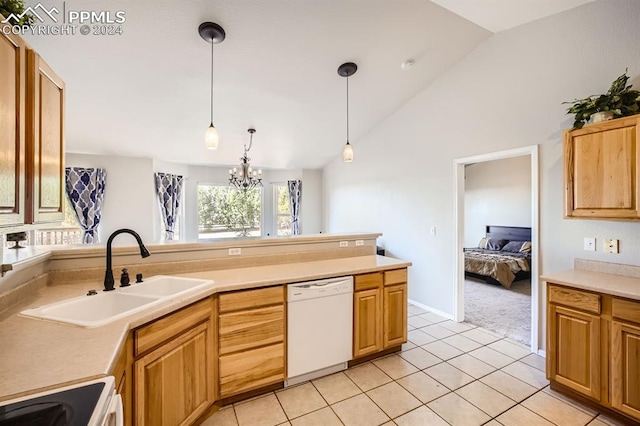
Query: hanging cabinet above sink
601, 163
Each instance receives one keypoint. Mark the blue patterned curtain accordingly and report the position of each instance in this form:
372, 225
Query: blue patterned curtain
85, 189
295, 197
169, 190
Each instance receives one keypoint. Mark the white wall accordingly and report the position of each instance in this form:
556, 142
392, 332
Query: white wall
496, 192
129, 198
505, 94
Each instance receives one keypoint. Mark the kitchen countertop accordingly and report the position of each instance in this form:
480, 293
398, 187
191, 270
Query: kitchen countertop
615, 285
37, 355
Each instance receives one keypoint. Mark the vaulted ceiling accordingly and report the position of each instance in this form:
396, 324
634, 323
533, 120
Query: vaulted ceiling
146, 92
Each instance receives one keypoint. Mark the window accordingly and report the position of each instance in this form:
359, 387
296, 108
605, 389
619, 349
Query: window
225, 212
282, 209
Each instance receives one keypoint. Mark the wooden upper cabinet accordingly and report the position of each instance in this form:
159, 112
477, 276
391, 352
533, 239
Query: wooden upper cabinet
601, 163
45, 116
12, 137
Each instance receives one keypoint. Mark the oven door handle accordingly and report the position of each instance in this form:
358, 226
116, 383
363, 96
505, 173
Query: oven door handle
115, 415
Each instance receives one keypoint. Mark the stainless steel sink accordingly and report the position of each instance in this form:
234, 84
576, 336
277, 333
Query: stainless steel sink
106, 307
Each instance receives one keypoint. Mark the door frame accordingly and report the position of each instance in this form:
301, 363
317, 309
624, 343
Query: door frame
459, 176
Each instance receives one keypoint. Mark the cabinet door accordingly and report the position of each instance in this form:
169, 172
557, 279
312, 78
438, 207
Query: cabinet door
367, 322
174, 383
45, 142
625, 368
12, 138
395, 315
574, 350
601, 164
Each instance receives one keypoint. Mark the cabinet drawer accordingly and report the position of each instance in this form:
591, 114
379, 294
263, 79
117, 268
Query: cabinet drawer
248, 329
574, 298
249, 299
398, 276
151, 335
367, 281
625, 309
251, 369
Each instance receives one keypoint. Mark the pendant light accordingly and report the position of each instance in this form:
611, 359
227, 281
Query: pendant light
347, 70
214, 34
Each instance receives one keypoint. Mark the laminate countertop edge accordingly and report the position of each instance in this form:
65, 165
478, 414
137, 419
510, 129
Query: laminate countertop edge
614, 285
40, 355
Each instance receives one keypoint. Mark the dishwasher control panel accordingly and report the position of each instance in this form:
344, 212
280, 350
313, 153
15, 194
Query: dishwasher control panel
320, 288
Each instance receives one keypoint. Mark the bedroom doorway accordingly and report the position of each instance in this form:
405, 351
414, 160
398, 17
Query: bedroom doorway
530, 152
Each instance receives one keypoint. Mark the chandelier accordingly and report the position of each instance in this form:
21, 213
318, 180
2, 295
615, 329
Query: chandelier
245, 179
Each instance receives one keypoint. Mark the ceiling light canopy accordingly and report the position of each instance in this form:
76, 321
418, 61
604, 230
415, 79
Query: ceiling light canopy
245, 179
347, 70
214, 34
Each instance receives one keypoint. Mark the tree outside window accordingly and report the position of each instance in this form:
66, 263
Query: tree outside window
282, 209
225, 212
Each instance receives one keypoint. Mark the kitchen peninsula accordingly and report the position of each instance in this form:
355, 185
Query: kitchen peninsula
41, 355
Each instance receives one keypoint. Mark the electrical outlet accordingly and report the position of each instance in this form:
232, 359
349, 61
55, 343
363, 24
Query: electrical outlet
589, 244
433, 230
344, 243
611, 246
359, 242
235, 251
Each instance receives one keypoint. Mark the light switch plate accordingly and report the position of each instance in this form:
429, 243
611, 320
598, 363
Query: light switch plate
612, 246
589, 244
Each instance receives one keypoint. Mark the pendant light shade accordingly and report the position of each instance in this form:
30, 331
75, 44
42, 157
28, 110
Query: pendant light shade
211, 137
347, 70
347, 153
214, 34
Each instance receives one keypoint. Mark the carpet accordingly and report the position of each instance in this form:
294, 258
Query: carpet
503, 311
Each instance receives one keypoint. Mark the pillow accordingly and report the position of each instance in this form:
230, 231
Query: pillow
483, 243
513, 246
496, 244
526, 247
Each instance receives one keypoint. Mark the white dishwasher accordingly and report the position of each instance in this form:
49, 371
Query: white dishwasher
319, 328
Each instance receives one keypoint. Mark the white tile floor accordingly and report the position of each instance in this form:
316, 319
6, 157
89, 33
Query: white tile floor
447, 374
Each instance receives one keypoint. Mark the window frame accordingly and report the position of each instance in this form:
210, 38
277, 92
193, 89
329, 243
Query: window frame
276, 214
226, 185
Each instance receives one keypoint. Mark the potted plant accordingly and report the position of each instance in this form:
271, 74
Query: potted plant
619, 101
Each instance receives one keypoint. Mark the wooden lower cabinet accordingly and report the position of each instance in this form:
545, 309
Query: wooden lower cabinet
574, 359
395, 315
593, 348
625, 368
251, 369
379, 311
173, 369
367, 322
250, 340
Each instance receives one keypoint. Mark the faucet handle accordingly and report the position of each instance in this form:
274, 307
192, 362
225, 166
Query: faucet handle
124, 278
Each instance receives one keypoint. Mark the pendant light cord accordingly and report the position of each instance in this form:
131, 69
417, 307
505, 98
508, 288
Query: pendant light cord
212, 82
347, 109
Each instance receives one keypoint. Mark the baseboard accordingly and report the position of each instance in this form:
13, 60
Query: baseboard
542, 353
430, 309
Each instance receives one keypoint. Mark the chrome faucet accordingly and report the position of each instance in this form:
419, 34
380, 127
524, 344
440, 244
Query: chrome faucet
108, 275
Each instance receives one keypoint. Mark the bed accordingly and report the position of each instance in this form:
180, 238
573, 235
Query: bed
502, 257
